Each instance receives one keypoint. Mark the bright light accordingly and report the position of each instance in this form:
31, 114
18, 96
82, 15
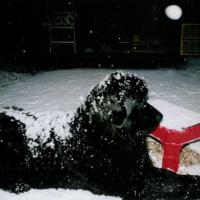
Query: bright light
173, 12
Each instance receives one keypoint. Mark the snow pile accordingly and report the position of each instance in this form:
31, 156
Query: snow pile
53, 194
61, 90
175, 117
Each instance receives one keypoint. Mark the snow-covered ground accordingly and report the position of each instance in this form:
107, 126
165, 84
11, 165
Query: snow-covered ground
173, 91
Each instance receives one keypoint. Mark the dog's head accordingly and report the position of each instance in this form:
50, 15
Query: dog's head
118, 105
109, 130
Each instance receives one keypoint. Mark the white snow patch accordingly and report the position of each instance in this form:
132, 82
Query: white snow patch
195, 146
157, 161
53, 194
175, 117
42, 123
192, 170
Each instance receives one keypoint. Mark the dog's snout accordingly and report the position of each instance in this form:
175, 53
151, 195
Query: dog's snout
153, 112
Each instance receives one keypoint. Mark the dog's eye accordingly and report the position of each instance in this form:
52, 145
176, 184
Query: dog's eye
118, 117
141, 105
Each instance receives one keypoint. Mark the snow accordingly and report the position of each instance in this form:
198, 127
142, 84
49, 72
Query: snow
53, 96
175, 117
53, 194
192, 170
39, 125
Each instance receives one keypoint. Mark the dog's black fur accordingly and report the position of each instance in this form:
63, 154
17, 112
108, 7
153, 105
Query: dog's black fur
106, 152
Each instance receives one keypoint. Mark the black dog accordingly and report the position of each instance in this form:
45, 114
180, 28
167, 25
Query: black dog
105, 152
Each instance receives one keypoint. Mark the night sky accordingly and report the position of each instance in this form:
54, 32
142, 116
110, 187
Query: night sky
22, 26
99, 24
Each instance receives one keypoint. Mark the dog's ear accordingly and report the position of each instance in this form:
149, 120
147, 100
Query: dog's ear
122, 117
129, 103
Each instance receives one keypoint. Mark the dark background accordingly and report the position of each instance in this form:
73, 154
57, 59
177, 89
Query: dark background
103, 27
